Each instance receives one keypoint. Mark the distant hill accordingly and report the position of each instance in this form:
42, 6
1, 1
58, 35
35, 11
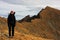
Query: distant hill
43, 26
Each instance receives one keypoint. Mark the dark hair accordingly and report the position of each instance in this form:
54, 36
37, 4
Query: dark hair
14, 12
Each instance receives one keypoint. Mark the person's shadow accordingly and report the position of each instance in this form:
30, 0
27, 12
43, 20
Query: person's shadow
6, 35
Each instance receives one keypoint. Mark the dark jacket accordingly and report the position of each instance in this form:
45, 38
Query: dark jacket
11, 20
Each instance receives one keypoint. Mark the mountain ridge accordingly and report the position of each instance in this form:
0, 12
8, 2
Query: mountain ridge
49, 20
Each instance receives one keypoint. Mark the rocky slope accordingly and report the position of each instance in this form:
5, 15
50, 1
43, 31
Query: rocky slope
47, 26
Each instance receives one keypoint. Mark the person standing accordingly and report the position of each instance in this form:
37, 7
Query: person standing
11, 20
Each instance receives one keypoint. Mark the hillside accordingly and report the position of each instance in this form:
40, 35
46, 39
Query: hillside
43, 26
21, 33
47, 26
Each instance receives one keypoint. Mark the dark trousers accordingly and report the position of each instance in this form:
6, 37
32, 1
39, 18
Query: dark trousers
11, 30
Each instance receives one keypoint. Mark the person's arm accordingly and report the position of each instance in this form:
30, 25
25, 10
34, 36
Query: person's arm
15, 20
7, 18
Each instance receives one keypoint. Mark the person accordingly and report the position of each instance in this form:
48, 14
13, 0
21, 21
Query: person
11, 20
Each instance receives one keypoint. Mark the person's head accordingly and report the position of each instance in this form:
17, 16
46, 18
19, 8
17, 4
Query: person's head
11, 12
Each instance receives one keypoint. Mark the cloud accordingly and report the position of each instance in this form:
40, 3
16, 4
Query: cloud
8, 7
26, 7
35, 3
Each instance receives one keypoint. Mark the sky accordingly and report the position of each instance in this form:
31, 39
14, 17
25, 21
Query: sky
25, 7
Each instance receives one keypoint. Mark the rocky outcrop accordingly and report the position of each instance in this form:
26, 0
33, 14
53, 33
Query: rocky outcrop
28, 18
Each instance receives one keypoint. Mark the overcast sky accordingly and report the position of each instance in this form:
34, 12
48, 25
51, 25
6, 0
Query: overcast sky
26, 7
